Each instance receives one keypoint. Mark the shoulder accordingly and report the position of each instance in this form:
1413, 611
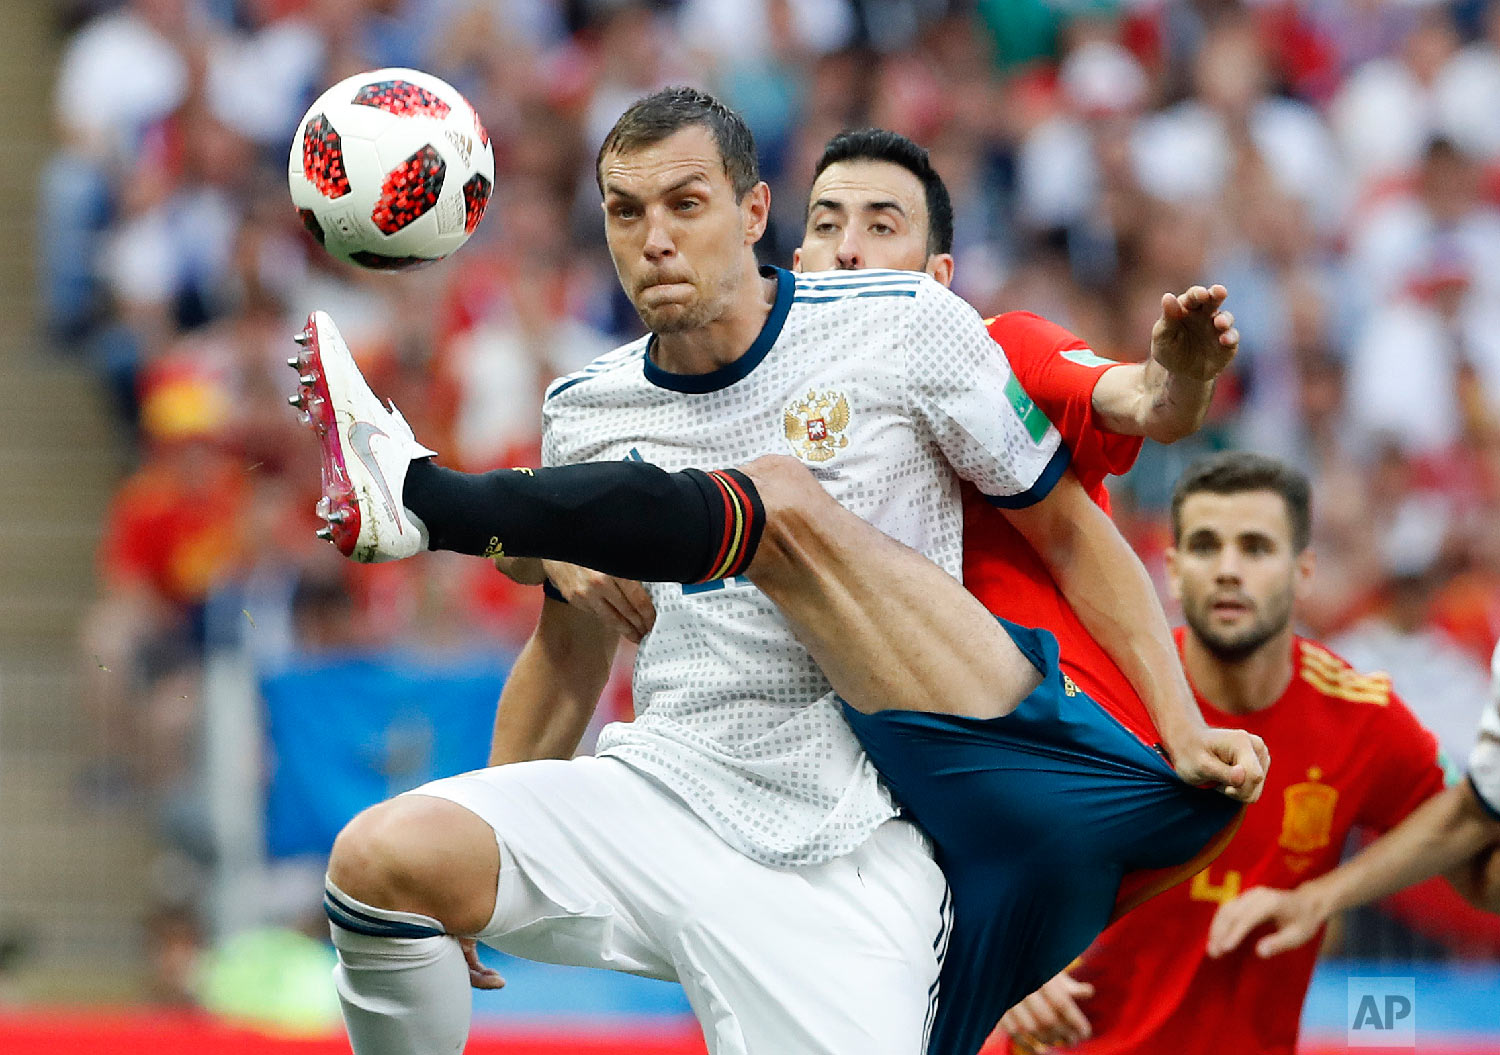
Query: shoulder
610, 362
1026, 333
1333, 679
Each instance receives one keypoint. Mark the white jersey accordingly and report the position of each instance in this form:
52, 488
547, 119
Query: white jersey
1484, 761
878, 381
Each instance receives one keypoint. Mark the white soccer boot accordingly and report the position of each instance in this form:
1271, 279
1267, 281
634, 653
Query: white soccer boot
366, 450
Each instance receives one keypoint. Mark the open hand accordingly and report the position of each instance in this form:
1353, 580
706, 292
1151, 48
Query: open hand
1050, 1017
1195, 337
1295, 914
621, 604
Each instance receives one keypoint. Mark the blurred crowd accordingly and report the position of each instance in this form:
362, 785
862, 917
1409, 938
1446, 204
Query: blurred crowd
1335, 163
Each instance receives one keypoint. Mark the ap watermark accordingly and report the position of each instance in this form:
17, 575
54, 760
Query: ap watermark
1382, 1013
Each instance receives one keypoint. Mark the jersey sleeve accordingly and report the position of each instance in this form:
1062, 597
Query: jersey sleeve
555, 447
962, 390
1411, 769
1058, 370
1484, 761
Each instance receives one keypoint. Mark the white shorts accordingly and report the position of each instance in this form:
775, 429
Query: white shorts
602, 867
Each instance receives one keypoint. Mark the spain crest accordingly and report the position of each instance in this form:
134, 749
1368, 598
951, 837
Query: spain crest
1307, 822
815, 426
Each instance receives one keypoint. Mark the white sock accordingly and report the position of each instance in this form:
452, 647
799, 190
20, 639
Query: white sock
399, 996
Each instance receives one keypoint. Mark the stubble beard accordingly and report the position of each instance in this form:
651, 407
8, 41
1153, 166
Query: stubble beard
705, 308
677, 318
1238, 646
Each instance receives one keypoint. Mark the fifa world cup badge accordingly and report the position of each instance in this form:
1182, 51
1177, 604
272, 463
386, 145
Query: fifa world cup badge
815, 426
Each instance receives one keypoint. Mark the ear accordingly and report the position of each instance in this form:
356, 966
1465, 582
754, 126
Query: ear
1302, 574
940, 267
797, 259
756, 210
1174, 582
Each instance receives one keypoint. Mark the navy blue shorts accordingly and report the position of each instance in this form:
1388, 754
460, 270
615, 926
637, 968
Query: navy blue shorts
1035, 819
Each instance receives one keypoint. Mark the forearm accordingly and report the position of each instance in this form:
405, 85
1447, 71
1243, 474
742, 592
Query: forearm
1146, 399
553, 689
1442, 834
1108, 588
1113, 597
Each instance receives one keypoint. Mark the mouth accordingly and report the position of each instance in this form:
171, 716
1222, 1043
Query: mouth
1230, 608
664, 282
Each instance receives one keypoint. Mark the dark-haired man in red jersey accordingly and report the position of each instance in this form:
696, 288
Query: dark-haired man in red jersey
1348, 754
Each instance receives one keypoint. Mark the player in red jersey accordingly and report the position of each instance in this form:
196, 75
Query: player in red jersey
1348, 754
1455, 834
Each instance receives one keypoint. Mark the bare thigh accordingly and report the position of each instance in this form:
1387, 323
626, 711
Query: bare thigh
890, 629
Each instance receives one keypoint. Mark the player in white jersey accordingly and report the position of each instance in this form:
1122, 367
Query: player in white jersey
1456, 833
597, 861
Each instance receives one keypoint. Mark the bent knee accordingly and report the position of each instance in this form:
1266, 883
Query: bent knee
793, 499
419, 854
782, 479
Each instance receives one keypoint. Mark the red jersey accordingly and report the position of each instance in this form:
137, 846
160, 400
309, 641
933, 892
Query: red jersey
1058, 372
1345, 753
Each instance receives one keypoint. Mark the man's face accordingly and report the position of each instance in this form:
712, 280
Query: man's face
1235, 571
675, 231
868, 214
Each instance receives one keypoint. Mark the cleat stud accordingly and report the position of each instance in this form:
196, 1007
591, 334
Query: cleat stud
302, 338
338, 516
323, 507
297, 399
294, 362
326, 534
307, 378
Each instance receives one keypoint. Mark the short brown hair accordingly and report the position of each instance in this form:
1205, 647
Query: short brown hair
1238, 472
660, 114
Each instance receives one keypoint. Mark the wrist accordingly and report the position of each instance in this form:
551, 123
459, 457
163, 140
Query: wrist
1182, 731
1320, 896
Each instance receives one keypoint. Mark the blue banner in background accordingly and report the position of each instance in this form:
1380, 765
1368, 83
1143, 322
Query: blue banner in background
351, 732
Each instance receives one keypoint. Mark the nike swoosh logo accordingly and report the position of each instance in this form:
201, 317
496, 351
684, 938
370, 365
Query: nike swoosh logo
359, 438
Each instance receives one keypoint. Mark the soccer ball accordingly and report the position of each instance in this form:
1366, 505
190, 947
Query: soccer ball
391, 169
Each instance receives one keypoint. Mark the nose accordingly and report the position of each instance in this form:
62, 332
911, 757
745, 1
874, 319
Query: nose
659, 245
1227, 571
849, 257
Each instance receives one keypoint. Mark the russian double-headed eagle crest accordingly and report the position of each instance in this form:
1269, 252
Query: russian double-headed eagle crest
815, 426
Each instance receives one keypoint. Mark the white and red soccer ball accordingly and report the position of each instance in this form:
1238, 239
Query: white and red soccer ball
391, 169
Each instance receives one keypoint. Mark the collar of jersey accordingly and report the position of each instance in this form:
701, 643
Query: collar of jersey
729, 373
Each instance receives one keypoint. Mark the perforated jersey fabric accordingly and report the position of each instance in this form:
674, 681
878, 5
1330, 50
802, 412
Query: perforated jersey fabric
883, 383
1484, 761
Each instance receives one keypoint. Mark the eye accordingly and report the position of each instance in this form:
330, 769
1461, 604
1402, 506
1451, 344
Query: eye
825, 227
1202, 547
623, 211
882, 228
688, 204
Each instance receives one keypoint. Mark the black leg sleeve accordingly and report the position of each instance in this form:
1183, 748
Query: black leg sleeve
623, 518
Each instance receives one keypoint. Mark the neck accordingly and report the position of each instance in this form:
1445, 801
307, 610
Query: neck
1240, 686
719, 343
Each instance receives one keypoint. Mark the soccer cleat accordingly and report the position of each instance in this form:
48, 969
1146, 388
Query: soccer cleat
362, 478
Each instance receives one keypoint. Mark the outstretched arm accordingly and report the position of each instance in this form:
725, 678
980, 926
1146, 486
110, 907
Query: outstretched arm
1166, 397
1449, 833
1108, 588
554, 686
